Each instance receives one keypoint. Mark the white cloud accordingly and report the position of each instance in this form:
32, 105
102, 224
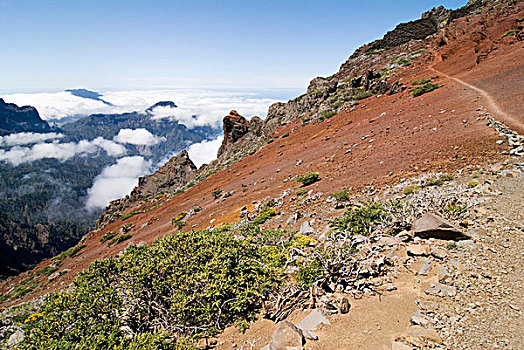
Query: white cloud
205, 151
137, 137
61, 151
209, 106
116, 181
24, 138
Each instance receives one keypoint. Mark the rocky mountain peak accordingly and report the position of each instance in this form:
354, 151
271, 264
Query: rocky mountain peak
170, 104
235, 126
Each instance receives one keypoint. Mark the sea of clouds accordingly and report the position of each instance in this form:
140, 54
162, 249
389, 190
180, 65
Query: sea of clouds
195, 107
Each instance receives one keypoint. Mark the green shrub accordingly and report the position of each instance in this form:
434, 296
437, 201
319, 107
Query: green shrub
301, 192
410, 189
196, 208
328, 114
472, 184
269, 141
107, 236
71, 252
308, 179
182, 287
216, 193
119, 239
508, 33
434, 182
308, 274
128, 215
46, 270
456, 208
341, 195
284, 135
421, 90
362, 95
360, 220
264, 216
446, 177
420, 82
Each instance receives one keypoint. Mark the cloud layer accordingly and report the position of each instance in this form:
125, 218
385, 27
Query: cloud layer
24, 138
137, 137
205, 151
116, 181
209, 106
61, 151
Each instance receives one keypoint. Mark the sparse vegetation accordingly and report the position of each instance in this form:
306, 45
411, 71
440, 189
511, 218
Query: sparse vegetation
196, 208
341, 195
472, 184
129, 215
308, 179
420, 82
328, 114
216, 193
107, 236
508, 33
301, 192
71, 252
284, 135
410, 189
270, 141
421, 90
264, 216
446, 177
119, 239
434, 182
362, 95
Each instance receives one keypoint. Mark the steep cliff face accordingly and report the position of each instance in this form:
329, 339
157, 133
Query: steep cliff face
20, 119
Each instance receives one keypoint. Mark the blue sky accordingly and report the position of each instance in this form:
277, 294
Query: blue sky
114, 44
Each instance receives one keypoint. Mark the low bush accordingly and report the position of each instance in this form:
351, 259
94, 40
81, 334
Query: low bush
341, 195
472, 184
421, 90
284, 135
361, 220
308, 179
216, 193
129, 215
420, 82
362, 95
446, 177
301, 192
508, 33
434, 182
107, 236
119, 239
163, 296
410, 189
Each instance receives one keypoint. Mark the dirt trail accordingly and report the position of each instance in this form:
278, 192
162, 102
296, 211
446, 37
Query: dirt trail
490, 100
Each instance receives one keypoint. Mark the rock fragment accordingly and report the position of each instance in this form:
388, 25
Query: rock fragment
434, 226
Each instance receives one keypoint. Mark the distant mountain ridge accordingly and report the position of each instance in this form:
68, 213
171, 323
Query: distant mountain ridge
91, 95
21, 119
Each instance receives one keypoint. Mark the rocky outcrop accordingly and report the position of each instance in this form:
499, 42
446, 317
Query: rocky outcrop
20, 119
172, 175
235, 127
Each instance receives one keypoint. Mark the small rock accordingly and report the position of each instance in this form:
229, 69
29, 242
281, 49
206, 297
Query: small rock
425, 333
418, 249
438, 253
443, 275
396, 345
391, 287
313, 320
425, 268
419, 319
434, 226
286, 336
344, 306
16, 338
442, 290
305, 228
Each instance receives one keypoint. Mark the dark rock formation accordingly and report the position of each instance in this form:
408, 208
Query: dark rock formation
235, 127
168, 178
170, 104
20, 119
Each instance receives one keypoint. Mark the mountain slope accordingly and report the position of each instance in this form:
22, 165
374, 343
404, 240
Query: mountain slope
391, 118
20, 119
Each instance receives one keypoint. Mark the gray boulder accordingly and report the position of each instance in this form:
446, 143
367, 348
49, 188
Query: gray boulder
286, 336
16, 338
434, 226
